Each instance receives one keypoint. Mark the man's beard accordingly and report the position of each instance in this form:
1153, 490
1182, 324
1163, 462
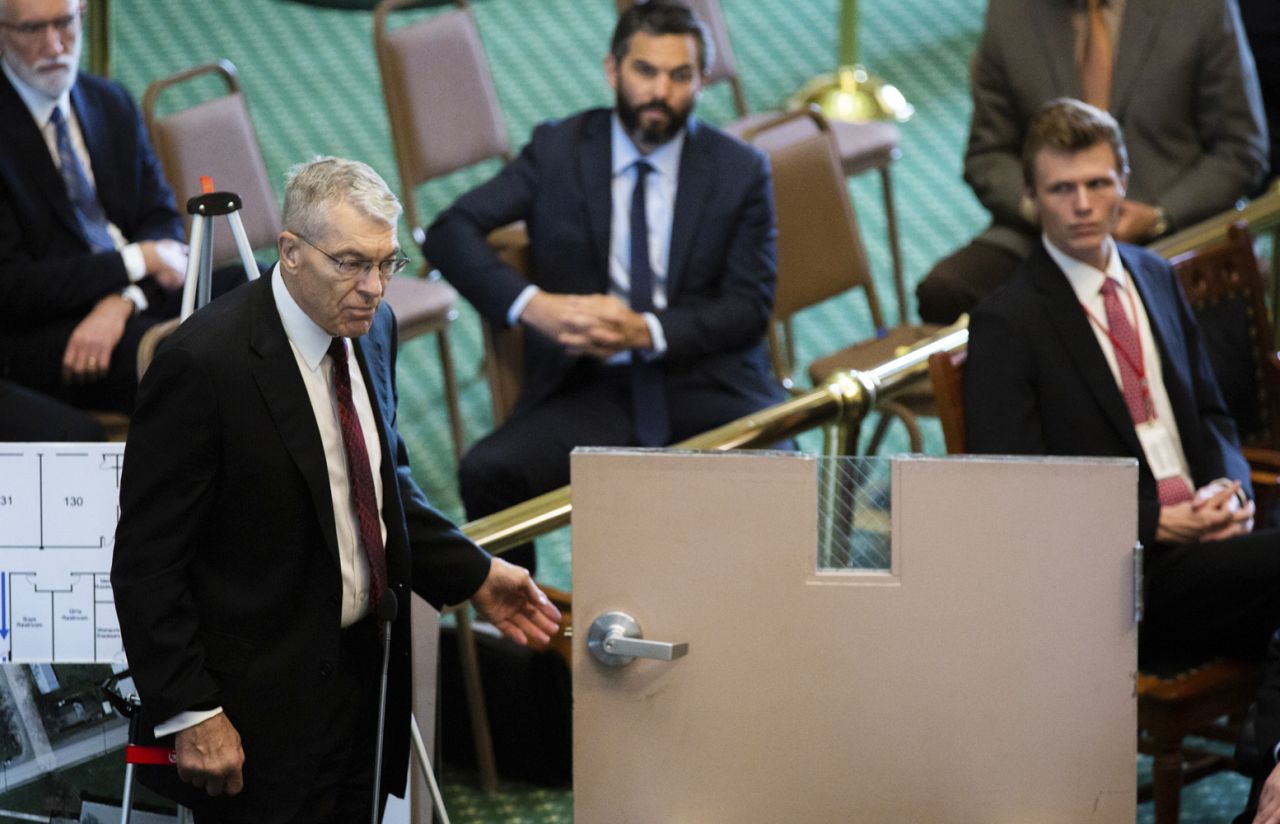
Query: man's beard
650, 137
50, 83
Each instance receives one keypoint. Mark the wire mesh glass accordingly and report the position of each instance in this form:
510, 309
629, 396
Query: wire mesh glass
854, 514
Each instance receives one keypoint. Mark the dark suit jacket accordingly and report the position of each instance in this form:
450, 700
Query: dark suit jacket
226, 571
1184, 90
47, 271
722, 262
1037, 383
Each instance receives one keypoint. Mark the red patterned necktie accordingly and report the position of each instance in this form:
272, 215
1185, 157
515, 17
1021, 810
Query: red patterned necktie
1124, 339
360, 476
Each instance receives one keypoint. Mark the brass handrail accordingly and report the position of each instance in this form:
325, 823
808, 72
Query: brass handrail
1262, 214
844, 399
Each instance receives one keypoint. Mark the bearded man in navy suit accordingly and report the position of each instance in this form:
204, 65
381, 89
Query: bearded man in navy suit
91, 254
628, 340
1091, 349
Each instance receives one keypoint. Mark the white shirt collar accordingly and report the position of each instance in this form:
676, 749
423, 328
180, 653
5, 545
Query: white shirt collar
37, 102
1087, 280
665, 159
310, 339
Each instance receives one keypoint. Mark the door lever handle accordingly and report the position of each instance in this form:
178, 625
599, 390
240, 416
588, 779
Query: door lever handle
615, 640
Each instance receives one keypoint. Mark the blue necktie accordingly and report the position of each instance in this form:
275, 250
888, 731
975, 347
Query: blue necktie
84, 200
648, 397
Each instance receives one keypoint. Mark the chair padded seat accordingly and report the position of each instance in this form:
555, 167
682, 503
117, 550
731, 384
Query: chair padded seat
865, 146
862, 146
421, 305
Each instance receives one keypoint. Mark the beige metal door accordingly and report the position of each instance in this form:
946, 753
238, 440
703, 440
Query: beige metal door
985, 676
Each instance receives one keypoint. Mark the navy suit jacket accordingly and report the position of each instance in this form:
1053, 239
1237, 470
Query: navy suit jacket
47, 271
1037, 383
226, 571
722, 266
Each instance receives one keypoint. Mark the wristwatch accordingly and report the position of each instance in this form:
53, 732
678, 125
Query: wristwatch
1162, 222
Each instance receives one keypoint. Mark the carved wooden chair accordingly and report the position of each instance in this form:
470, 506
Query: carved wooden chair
1226, 290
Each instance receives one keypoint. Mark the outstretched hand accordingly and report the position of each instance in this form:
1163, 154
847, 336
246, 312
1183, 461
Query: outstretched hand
512, 602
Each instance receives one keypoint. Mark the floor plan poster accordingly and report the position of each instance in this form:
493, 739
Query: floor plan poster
59, 504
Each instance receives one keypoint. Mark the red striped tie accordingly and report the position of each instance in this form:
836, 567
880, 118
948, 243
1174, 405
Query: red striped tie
1128, 354
361, 477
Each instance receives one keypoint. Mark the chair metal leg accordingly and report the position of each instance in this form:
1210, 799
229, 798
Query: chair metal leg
877, 434
888, 411
481, 736
895, 251
452, 404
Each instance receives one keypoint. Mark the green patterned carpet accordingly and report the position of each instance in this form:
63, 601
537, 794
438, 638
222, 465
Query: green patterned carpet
311, 81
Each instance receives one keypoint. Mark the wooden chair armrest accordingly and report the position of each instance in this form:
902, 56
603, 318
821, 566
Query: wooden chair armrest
1264, 463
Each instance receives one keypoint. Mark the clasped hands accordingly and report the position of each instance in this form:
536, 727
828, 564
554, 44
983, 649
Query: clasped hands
1213, 514
89, 349
597, 325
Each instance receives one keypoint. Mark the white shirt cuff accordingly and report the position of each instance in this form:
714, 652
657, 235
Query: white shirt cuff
135, 266
655, 333
134, 293
521, 301
185, 720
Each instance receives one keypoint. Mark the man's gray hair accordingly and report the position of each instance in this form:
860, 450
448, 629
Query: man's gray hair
321, 182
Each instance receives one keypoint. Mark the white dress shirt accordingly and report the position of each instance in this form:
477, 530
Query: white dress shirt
660, 202
1087, 283
310, 345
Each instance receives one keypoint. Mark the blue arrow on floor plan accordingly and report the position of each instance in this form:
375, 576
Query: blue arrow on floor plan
4, 606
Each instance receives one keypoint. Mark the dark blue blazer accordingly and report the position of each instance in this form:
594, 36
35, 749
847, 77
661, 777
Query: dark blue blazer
226, 571
47, 271
722, 266
1037, 383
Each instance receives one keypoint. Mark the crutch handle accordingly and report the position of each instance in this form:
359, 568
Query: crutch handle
138, 754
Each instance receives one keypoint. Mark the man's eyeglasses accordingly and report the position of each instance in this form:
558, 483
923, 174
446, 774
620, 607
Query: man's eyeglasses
349, 267
66, 24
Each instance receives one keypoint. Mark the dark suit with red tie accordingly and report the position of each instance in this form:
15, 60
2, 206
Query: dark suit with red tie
1037, 383
226, 567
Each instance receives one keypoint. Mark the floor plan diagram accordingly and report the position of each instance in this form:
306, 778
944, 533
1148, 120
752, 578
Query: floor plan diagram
59, 504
